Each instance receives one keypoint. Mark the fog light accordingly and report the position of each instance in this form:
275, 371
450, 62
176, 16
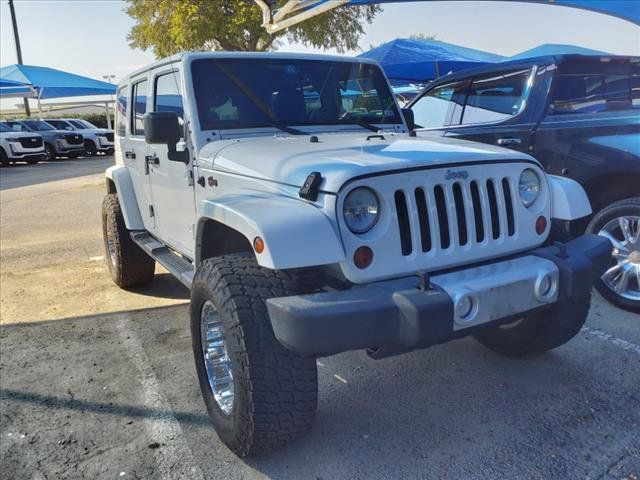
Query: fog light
362, 257
466, 307
546, 287
541, 225
258, 245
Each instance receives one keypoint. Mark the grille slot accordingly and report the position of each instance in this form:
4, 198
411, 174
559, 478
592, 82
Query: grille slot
109, 136
493, 209
443, 217
403, 222
460, 214
506, 190
477, 211
423, 217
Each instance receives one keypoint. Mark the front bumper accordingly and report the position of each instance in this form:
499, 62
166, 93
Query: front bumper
104, 145
63, 147
23, 156
398, 316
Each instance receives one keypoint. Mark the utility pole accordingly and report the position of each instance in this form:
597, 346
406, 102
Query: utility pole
18, 50
109, 79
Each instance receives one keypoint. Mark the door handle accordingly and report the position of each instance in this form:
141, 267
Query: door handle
509, 141
130, 154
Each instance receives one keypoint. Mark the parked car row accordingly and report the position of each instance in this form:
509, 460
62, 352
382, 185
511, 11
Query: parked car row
33, 140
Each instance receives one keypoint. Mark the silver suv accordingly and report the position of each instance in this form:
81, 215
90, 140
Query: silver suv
96, 140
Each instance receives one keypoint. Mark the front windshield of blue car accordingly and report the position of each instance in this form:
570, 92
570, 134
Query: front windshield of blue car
5, 128
252, 92
38, 125
82, 124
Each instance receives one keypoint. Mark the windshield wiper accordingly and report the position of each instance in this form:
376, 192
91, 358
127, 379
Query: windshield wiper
347, 119
288, 129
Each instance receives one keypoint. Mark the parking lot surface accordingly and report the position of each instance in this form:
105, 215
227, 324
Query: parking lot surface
97, 382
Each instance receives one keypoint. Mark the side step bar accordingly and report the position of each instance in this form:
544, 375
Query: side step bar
178, 266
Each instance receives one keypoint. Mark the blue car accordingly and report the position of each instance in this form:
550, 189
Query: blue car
580, 117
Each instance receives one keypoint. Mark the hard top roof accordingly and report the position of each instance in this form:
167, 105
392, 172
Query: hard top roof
187, 56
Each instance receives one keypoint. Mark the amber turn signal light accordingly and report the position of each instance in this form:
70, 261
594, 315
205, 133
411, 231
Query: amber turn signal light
362, 257
541, 225
258, 245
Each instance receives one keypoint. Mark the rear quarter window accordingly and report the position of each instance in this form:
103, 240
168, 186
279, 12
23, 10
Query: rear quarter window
121, 112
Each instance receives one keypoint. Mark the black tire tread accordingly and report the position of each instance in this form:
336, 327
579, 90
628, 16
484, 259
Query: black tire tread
280, 386
133, 266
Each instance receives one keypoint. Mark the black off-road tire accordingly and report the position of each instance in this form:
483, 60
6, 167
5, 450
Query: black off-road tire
128, 264
537, 332
628, 206
276, 390
4, 161
49, 152
90, 148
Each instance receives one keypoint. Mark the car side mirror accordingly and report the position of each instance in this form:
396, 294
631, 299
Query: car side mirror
164, 127
409, 119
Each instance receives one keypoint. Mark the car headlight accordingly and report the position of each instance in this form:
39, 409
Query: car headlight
529, 187
361, 210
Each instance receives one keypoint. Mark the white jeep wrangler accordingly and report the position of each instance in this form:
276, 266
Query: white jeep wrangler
290, 195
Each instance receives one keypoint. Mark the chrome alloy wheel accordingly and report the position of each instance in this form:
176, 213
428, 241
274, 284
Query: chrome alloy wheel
623, 277
216, 357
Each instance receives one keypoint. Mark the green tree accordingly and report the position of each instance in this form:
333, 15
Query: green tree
170, 26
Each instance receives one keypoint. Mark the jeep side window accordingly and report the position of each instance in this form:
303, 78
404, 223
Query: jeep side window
168, 97
440, 107
139, 107
496, 97
121, 112
591, 93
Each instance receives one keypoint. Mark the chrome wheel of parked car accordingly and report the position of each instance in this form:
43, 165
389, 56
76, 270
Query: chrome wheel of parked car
216, 358
623, 277
48, 152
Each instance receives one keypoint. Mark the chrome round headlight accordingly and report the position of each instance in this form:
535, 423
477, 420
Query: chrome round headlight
529, 187
361, 210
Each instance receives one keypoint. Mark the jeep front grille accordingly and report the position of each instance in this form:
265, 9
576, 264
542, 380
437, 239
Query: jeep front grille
456, 214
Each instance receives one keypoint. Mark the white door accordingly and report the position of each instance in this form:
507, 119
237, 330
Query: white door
134, 151
171, 181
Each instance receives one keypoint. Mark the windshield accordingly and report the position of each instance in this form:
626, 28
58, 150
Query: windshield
82, 124
245, 93
38, 125
4, 128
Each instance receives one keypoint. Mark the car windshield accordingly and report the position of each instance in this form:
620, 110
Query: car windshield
4, 128
82, 124
246, 93
38, 125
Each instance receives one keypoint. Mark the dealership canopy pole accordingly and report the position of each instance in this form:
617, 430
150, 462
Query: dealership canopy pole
18, 50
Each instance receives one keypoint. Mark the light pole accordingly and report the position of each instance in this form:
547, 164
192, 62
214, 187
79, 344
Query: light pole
16, 37
109, 78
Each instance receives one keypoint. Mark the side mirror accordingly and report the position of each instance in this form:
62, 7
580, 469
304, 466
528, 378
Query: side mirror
164, 127
409, 119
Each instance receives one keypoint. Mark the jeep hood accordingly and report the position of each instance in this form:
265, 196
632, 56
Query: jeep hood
340, 157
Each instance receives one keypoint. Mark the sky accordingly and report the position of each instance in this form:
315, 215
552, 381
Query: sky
89, 37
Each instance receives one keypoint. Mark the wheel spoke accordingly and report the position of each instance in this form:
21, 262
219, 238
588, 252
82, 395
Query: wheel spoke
625, 227
623, 283
617, 244
613, 271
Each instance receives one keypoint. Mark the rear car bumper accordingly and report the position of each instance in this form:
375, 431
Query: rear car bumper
401, 315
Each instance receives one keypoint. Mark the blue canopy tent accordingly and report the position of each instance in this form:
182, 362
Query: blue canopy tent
555, 49
408, 61
10, 88
50, 83
296, 11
